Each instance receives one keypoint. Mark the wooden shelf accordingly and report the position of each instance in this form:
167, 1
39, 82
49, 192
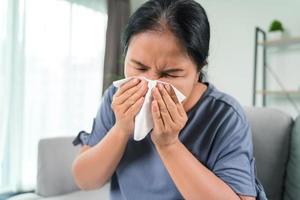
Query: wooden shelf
283, 41
279, 92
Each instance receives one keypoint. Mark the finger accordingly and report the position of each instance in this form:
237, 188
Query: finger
136, 107
134, 97
170, 104
126, 86
181, 109
137, 90
156, 116
167, 120
172, 93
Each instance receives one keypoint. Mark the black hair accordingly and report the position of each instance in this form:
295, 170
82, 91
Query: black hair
186, 19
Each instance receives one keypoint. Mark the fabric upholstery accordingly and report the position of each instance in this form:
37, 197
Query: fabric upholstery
292, 182
101, 194
271, 135
55, 157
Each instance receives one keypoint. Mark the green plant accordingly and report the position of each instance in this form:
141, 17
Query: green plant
276, 26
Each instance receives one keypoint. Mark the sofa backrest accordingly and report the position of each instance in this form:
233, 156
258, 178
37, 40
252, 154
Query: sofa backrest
55, 158
271, 135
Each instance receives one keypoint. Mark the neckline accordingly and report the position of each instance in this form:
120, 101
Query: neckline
205, 93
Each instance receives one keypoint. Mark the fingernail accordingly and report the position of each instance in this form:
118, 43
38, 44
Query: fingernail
160, 86
168, 87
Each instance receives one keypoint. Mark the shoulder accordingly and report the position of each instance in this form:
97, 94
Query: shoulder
223, 103
105, 110
232, 128
109, 93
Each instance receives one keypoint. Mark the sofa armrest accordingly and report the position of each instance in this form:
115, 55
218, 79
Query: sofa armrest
55, 157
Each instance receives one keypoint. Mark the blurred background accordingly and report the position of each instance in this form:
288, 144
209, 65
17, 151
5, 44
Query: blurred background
58, 56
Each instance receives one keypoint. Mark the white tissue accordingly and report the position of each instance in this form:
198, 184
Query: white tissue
143, 120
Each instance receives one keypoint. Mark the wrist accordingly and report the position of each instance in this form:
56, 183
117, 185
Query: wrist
167, 146
121, 131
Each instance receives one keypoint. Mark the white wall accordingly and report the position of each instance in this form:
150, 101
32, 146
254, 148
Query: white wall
232, 44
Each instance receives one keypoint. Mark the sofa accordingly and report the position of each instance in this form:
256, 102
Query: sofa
273, 134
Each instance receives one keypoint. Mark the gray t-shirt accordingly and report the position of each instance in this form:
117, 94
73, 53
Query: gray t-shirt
217, 133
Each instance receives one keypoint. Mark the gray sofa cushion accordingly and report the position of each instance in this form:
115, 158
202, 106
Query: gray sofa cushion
55, 157
292, 182
27, 196
271, 135
100, 194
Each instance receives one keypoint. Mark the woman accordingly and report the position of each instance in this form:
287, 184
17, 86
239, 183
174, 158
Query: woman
198, 149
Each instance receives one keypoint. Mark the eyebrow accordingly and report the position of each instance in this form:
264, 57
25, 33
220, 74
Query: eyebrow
165, 71
140, 64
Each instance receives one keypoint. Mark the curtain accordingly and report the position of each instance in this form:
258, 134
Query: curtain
118, 13
51, 64
11, 91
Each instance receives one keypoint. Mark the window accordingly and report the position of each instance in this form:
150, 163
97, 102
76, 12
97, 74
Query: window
54, 81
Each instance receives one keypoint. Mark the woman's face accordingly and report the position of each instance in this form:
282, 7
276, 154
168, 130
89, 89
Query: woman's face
159, 56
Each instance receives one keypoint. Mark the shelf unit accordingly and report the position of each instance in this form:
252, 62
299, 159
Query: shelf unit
265, 44
279, 92
284, 41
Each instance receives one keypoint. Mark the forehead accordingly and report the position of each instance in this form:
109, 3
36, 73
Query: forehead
156, 46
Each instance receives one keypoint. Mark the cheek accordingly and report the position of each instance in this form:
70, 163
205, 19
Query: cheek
129, 72
182, 86
185, 87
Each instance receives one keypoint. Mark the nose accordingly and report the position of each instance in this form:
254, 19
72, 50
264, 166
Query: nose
151, 75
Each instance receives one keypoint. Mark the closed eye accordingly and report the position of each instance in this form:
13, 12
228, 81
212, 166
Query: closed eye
169, 75
142, 69
166, 75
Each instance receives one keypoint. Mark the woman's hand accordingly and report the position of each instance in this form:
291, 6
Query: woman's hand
127, 102
168, 114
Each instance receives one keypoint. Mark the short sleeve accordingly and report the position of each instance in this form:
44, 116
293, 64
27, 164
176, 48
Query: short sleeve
234, 162
105, 118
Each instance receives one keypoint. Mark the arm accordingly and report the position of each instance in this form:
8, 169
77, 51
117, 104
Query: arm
93, 167
191, 177
193, 180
